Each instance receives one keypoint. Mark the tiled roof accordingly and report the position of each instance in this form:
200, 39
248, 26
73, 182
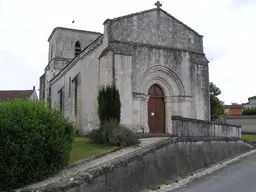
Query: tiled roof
235, 106
232, 106
15, 94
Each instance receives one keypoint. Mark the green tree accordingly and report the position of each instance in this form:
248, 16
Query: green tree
217, 108
109, 104
250, 111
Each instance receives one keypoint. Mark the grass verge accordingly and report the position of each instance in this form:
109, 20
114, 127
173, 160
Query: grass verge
249, 137
82, 150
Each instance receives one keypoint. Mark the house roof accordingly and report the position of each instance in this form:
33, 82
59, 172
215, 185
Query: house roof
236, 106
152, 10
15, 94
253, 97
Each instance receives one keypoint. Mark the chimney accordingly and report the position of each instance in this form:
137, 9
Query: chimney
34, 88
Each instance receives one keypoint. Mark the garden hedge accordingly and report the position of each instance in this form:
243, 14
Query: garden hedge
35, 142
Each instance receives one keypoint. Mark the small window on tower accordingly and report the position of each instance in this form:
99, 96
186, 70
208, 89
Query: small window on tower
51, 50
69, 92
77, 48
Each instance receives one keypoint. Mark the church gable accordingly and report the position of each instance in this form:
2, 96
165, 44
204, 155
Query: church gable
154, 27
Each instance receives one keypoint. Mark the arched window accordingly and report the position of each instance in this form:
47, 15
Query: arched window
77, 48
69, 90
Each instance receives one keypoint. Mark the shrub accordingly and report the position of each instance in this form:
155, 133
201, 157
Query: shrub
109, 105
250, 111
111, 133
35, 142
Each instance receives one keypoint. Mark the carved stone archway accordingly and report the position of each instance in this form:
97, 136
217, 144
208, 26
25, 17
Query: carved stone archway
171, 86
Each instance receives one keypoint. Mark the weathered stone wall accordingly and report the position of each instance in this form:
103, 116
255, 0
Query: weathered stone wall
42, 87
200, 87
183, 76
186, 127
171, 70
62, 82
89, 84
247, 122
164, 30
166, 52
86, 66
52, 69
167, 160
118, 68
123, 81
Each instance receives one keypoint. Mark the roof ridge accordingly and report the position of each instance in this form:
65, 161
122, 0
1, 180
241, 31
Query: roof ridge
130, 15
15, 94
168, 14
151, 10
72, 29
16, 90
252, 97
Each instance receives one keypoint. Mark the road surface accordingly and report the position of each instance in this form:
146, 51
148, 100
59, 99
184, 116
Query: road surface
236, 177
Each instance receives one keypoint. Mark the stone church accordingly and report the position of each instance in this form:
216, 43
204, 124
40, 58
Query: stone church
156, 61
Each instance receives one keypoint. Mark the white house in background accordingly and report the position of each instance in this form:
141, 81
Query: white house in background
251, 103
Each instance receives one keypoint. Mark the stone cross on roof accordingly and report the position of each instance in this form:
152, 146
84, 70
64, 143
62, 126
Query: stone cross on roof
158, 4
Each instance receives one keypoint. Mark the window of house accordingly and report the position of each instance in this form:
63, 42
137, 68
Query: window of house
69, 91
51, 50
75, 86
49, 97
61, 95
75, 95
77, 48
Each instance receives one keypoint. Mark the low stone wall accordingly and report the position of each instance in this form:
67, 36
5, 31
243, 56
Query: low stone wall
247, 122
186, 127
168, 159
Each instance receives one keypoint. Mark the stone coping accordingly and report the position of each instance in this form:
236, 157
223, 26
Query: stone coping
238, 116
80, 167
249, 132
148, 135
90, 174
180, 118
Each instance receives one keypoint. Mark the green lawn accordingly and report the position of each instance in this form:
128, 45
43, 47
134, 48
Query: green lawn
249, 137
82, 150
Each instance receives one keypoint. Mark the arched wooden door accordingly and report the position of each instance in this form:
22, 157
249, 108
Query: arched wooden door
156, 110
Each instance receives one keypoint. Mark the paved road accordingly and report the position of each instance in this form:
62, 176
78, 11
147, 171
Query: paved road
236, 177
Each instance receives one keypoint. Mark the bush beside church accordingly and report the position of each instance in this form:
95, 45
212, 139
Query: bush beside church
35, 143
109, 112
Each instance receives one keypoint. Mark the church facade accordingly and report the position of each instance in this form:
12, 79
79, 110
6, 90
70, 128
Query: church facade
156, 61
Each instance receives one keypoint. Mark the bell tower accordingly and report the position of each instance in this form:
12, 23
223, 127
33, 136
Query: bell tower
64, 45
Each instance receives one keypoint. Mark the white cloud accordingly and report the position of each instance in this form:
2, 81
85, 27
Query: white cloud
227, 26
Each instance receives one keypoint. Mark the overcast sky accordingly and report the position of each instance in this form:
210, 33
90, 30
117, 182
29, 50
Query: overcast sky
228, 28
